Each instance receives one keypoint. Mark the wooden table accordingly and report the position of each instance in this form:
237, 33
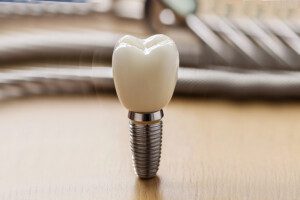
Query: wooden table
78, 148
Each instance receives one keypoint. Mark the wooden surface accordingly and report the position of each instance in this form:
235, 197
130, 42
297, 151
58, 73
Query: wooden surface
78, 148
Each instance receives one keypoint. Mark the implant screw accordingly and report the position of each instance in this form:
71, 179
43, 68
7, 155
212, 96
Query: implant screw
146, 141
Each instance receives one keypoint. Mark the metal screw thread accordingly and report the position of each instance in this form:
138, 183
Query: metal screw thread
146, 141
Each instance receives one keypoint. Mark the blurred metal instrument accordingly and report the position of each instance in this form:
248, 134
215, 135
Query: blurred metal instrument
15, 83
241, 42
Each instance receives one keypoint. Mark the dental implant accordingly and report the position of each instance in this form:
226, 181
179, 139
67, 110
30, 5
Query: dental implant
145, 75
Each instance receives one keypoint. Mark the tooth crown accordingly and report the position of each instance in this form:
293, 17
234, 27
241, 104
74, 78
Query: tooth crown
145, 72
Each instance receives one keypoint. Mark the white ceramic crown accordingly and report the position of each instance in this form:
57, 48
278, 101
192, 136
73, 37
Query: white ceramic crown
145, 72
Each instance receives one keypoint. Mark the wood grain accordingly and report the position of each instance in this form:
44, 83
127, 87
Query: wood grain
78, 148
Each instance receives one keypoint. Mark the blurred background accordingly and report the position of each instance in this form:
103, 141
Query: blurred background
231, 131
232, 48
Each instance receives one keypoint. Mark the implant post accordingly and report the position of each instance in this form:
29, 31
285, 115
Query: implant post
146, 141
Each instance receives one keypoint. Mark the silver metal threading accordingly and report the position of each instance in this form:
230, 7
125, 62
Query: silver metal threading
146, 141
